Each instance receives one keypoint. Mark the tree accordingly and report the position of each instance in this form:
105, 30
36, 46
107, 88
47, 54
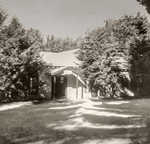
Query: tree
145, 3
19, 62
54, 44
108, 55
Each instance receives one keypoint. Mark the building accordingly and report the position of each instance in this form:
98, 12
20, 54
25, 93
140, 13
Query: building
65, 80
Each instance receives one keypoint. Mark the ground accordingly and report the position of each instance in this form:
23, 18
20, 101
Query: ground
84, 122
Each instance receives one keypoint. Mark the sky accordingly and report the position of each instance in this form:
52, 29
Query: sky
68, 18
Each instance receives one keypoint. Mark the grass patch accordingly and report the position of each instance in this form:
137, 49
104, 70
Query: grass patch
29, 124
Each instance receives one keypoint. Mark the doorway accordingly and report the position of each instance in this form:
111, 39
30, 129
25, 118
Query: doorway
59, 87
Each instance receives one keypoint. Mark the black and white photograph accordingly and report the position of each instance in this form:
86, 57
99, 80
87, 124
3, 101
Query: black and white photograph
74, 71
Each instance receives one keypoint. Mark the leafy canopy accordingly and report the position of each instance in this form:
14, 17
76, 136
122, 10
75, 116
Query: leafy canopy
145, 3
19, 59
108, 54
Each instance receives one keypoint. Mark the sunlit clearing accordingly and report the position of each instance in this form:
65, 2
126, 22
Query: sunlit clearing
81, 122
104, 113
37, 142
62, 141
77, 123
108, 141
89, 106
78, 120
71, 127
75, 115
117, 102
65, 107
102, 126
51, 125
89, 102
13, 106
64, 126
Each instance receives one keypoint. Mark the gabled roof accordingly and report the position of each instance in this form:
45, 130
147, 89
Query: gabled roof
67, 58
58, 70
67, 71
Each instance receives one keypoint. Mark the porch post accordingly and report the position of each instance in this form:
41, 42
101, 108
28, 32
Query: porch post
77, 83
54, 87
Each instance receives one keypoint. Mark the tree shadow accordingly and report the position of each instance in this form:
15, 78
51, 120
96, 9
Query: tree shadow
42, 125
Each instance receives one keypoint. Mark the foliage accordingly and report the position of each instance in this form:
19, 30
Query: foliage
145, 3
108, 55
3, 16
54, 44
20, 63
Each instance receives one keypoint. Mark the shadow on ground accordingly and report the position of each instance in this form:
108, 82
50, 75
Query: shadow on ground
76, 123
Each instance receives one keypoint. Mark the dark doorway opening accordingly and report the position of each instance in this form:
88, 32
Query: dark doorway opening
59, 85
